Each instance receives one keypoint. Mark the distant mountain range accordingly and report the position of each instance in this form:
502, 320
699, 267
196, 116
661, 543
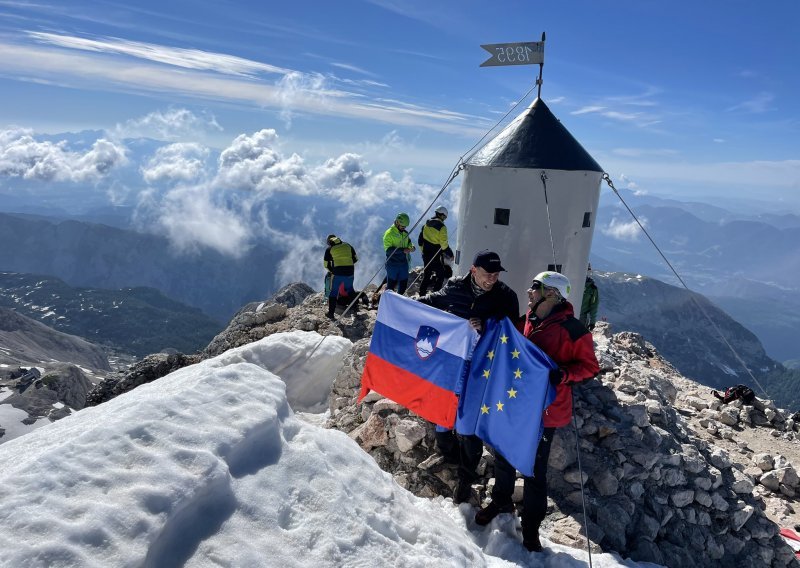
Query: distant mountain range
694, 335
99, 256
138, 321
746, 262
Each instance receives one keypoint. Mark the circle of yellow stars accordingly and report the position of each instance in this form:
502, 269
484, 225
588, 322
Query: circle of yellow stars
512, 393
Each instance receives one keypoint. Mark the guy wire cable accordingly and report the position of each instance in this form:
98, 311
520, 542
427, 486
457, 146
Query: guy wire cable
453, 174
607, 179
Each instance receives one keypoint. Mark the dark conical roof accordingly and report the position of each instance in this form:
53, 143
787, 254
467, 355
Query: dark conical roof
535, 139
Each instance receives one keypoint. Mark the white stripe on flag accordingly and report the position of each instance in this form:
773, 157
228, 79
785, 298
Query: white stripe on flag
406, 316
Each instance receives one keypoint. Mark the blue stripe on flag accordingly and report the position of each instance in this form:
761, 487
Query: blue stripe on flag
441, 368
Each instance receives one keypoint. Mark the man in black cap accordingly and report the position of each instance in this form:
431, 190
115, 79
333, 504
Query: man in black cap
477, 297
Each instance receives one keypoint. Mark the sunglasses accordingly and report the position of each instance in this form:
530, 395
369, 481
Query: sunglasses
536, 285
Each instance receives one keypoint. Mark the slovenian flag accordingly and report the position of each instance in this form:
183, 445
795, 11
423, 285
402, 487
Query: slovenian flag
418, 357
506, 394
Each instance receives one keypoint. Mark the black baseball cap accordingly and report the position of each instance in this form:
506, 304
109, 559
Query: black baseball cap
489, 261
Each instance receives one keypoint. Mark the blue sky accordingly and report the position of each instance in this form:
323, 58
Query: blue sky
670, 98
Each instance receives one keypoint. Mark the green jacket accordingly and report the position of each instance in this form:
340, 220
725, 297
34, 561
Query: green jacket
394, 241
591, 300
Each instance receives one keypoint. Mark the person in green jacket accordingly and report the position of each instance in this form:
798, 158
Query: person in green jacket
339, 260
591, 301
398, 247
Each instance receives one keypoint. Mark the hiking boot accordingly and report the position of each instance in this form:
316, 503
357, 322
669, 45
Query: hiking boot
490, 511
462, 493
532, 543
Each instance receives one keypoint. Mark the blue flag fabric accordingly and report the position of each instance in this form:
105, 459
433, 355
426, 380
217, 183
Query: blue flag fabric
506, 393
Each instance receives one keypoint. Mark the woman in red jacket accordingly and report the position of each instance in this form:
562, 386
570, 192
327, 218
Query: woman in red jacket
551, 325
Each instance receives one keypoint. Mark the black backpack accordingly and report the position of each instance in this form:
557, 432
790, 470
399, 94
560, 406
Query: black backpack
420, 240
735, 393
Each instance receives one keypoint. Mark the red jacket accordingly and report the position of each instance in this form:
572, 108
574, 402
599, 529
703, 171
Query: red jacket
567, 342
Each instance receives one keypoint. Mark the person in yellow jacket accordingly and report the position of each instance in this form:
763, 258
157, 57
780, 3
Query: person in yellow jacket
435, 251
339, 260
398, 247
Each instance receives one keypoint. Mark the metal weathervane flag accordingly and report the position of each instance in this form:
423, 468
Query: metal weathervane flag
506, 393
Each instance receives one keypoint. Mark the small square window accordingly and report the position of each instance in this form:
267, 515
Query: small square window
587, 219
501, 216
554, 268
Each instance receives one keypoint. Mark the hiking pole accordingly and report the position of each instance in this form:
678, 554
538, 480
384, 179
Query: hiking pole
422, 274
583, 493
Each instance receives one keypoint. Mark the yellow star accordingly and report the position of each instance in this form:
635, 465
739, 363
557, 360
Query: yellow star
491, 355
515, 354
512, 393
484, 409
486, 374
504, 338
517, 374
499, 406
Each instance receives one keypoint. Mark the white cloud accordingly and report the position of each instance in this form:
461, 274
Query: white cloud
170, 125
190, 218
353, 68
188, 58
588, 110
296, 86
294, 93
22, 155
759, 104
623, 230
252, 162
636, 152
346, 170
179, 162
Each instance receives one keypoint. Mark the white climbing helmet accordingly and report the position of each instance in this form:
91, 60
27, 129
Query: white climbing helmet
441, 210
555, 280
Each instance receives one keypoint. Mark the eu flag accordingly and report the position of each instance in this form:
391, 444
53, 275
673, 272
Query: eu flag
506, 393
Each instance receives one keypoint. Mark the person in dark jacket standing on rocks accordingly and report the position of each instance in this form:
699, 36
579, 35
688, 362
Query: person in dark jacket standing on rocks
435, 251
339, 260
477, 297
551, 325
590, 302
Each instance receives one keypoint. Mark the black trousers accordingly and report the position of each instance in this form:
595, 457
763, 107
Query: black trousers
466, 450
534, 497
433, 275
471, 451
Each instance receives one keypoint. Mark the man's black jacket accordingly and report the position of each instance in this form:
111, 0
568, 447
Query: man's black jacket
458, 298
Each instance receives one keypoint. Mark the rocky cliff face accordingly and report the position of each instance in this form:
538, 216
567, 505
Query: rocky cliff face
28, 342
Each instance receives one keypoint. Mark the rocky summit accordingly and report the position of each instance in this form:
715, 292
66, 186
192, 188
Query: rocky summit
668, 474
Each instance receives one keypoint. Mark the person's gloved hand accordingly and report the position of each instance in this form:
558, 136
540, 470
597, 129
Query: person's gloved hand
556, 377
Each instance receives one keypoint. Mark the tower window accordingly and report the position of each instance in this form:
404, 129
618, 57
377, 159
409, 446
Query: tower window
587, 219
554, 268
501, 216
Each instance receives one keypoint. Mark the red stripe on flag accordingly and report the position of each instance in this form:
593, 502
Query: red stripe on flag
429, 401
